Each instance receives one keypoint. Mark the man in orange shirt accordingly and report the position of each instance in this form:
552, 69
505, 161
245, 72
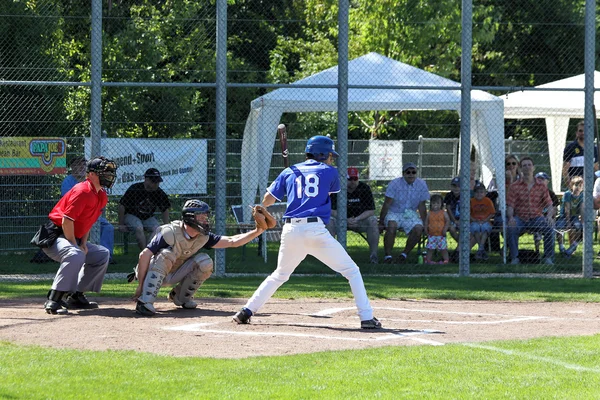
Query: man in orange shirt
525, 206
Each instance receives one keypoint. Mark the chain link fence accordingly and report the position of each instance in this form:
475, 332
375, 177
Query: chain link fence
140, 83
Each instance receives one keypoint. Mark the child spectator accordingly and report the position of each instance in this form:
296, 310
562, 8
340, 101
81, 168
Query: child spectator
569, 218
436, 226
482, 211
452, 202
542, 177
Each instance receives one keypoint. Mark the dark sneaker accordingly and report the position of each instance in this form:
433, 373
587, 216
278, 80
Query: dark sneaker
55, 307
373, 259
145, 309
78, 300
402, 258
370, 324
243, 316
389, 260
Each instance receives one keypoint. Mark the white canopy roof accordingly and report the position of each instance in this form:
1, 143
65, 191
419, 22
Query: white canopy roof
487, 124
556, 107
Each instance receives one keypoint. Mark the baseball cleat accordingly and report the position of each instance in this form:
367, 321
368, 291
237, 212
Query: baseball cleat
78, 300
145, 309
370, 324
243, 316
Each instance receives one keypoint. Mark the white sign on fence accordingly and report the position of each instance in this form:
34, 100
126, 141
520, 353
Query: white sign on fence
181, 162
385, 159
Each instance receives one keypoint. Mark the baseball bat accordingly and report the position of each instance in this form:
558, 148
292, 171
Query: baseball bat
281, 130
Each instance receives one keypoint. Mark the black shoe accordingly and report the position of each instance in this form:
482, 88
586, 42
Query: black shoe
55, 307
145, 309
243, 316
55, 304
370, 324
78, 300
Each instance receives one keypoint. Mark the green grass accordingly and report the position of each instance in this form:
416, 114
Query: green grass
566, 368
500, 289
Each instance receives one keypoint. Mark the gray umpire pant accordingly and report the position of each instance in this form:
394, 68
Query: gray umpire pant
78, 272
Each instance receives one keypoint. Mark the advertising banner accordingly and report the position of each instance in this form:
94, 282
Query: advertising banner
32, 156
182, 162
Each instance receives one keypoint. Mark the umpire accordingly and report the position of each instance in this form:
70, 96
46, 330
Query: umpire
82, 264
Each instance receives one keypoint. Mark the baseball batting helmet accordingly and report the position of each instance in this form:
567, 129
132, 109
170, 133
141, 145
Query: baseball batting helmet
194, 207
320, 147
105, 169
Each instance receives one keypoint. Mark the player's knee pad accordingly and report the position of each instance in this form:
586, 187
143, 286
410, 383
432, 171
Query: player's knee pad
203, 266
163, 261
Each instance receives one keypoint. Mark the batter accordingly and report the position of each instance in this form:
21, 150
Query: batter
307, 186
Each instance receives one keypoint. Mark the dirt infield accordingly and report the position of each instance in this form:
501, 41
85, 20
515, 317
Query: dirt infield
289, 326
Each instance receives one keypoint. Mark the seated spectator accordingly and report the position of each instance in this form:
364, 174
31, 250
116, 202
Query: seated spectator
107, 231
437, 223
138, 205
570, 216
512, 172
403, 208
524, 211
452, 202
360, 212
482, 211
544, 178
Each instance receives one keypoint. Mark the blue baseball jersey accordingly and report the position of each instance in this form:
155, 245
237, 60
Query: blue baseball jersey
307, 186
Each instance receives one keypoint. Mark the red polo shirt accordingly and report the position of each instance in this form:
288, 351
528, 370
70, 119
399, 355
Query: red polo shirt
82, 204
528, 204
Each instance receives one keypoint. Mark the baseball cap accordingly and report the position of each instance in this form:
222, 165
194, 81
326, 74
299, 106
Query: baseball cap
409, 165
455, 181
153, 174
352, 172
542, 175
478, 185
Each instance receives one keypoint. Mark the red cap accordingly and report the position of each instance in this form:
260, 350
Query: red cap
352, 172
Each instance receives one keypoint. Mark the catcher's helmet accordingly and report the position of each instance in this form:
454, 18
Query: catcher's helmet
194, 207
320, 147
105, 169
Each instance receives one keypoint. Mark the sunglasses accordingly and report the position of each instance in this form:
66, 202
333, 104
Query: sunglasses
353, 178
410, 172
511, 163
579, 130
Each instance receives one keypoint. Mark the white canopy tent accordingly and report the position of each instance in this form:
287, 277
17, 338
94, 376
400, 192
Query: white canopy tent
487, 124
556, 107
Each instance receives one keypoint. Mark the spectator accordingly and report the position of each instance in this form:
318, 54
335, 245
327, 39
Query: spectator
512, 171
437, 223
107, 231
173, 257
525, 205
403, 208
573, 156
452, 202
570, 216
482, 211
360, 211
138, 205
544, 178
82, 264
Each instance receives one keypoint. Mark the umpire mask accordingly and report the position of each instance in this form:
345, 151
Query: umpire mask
105, 169
195, 213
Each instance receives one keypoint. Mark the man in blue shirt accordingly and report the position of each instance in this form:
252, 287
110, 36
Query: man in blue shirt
307, 186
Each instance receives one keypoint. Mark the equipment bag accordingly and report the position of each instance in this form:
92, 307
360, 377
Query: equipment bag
46, 235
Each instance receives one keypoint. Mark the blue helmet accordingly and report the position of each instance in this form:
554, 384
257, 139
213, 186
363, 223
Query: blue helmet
320, 147
191, 208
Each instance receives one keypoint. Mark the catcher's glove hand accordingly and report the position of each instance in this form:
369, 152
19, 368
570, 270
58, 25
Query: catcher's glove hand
263, 218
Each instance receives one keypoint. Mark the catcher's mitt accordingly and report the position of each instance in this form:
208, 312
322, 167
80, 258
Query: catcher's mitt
263, 218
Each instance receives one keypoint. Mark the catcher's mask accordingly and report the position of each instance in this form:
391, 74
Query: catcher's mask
195, 213
320, 147
105, 169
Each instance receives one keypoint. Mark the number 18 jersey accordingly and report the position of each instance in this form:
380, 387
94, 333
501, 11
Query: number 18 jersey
307, 186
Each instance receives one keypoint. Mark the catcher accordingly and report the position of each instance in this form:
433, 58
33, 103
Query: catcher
172, 257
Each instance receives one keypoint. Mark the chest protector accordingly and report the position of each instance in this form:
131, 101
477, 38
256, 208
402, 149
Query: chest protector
182, 248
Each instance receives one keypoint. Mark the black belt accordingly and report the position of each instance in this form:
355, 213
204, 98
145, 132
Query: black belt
309, 219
